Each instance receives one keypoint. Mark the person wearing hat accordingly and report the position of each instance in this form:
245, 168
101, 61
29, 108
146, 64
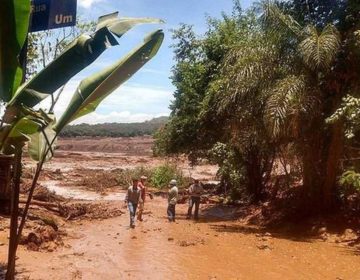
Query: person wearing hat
132, 199
195, 192
172, 200
143, 190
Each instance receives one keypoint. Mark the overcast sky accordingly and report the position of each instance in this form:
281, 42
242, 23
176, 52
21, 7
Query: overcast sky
149, 92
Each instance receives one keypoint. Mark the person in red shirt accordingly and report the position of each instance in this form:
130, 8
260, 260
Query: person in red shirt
143, 193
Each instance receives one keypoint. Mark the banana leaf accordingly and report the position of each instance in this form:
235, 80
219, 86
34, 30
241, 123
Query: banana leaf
122, 25
14, 22
40, 142
95, 88
26, 123
18, 133
78, 55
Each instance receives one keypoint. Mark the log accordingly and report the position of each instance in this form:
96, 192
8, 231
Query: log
40, 203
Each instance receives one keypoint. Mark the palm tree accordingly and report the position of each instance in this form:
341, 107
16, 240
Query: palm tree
279, 85
324, 69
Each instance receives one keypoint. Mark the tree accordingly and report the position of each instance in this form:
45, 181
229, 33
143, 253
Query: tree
261, 84
44, 46
328, 65
212, 115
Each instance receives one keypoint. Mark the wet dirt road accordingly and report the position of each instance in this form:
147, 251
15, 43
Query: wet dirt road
155, 249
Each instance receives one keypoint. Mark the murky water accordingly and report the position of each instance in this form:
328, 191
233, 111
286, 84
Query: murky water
79, 193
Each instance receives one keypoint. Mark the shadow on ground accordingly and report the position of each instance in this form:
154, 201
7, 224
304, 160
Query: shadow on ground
2, 271
244, 220
20, 273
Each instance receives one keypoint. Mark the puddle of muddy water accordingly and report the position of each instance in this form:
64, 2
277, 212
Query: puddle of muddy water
80, 194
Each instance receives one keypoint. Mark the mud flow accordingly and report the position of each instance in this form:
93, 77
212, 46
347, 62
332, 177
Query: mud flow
80, 230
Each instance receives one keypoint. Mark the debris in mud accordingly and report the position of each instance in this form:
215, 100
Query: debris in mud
263, 247
78, 210
170, 239
187, 243
41, 193
43, 218
98, 180
42, 238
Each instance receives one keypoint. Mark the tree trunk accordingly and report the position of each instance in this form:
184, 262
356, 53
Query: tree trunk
254, 173
334, 153
321, 157
10, 273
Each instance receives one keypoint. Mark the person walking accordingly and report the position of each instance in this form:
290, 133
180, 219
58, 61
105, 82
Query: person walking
143, 194
195, 192
172, 200
132, 199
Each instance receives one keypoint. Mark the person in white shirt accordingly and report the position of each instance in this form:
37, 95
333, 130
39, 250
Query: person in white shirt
172, 200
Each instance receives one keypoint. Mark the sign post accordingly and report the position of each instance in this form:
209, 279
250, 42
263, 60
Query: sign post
51, 14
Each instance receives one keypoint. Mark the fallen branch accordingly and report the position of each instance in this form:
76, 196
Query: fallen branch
40, 203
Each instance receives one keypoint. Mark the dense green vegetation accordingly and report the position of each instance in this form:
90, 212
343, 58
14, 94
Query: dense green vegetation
114, 129
257, 94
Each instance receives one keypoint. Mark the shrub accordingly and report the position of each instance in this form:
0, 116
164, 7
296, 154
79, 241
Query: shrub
125, 176
162, 175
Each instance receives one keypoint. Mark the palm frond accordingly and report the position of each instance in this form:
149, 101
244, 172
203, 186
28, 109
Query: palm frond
319, 50
276, 20
244, 72
282, 102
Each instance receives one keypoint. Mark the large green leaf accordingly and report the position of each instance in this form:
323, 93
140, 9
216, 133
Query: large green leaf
39, 144
26, 123
25, 126
95, 88
78, 55
18, 133
14, 22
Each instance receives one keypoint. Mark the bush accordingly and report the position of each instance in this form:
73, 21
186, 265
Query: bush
162, 175
125, 176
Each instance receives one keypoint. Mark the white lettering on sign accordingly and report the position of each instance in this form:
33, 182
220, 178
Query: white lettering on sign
59, 19
38, 8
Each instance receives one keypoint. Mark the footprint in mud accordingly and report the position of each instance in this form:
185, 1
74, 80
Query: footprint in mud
264, 247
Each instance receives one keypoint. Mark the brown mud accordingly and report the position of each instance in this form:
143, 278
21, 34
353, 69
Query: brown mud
87, 235
215, 247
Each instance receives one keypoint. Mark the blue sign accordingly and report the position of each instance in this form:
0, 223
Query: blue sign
50, 14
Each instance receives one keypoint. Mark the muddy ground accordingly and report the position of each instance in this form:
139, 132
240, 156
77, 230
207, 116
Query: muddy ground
85, 234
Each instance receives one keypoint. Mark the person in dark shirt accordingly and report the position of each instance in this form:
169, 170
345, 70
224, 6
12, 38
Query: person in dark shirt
132, 199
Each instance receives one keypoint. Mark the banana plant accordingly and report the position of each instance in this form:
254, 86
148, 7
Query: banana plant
93, 90
79, 54
21, 124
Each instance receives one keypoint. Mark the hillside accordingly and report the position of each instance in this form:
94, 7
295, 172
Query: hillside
115, 129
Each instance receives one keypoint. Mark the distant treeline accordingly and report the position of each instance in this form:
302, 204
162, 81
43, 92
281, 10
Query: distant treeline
115, 129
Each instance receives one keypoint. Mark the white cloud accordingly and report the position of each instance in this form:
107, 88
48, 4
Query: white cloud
155, 71
129, 103
88, 3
